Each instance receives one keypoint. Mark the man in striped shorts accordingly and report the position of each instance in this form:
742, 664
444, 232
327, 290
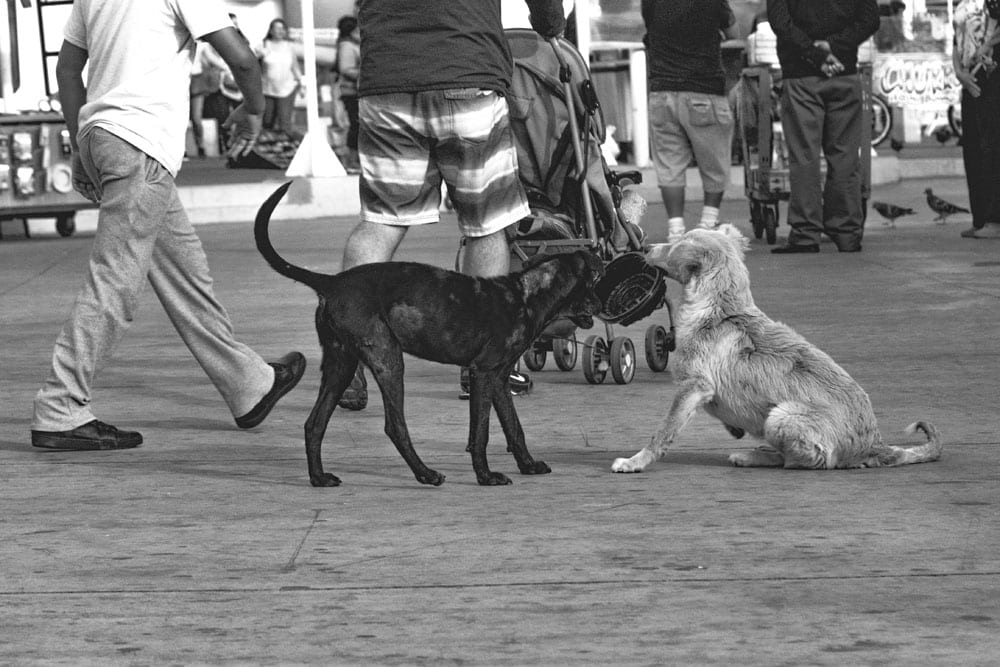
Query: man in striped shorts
432, 110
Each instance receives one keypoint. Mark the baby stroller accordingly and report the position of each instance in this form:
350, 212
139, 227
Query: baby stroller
578, 202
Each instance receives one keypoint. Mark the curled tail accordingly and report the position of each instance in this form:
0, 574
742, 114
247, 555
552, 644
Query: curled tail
931, 451
264, 247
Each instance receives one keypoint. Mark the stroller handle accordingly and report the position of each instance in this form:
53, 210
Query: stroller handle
581, 162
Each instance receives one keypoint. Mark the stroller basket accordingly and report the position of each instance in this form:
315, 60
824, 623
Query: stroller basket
630, 290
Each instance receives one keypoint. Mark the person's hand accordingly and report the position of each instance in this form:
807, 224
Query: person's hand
822, 44
968, 81
244, 128
832, 66
82, 182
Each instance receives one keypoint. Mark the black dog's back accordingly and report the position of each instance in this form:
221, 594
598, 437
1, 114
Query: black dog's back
433, 313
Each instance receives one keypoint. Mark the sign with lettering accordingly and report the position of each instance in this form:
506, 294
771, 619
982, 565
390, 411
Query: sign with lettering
915, 79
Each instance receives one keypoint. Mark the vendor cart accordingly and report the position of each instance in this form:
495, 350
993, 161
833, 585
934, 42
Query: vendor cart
765, 158
36, 179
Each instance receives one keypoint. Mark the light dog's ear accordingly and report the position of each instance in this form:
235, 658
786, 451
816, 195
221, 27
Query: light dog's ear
730, 231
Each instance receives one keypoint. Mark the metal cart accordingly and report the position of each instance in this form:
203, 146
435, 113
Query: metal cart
35, 171
765, 158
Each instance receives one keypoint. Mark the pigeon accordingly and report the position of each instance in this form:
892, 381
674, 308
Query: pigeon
890, 211
942, 208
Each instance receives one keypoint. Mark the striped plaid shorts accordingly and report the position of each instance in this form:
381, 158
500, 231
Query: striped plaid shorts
409, 143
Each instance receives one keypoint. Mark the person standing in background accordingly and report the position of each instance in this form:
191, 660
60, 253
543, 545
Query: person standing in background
433, 109
689, 114
821, 113
127, 128
206, 80
975, 58
282, 77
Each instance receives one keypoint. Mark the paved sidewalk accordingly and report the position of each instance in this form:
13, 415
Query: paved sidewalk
207, 545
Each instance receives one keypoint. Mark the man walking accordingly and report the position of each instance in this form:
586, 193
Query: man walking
127, 130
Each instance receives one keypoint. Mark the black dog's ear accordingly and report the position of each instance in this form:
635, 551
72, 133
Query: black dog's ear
591, 261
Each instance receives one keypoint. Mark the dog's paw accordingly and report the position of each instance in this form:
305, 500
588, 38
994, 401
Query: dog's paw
625, 465
431, 477
493, 479
324, 479
535, 468
741, 459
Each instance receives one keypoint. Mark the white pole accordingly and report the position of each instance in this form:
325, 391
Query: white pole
314, 156
949, 33
583, 29
6, 65
640, 110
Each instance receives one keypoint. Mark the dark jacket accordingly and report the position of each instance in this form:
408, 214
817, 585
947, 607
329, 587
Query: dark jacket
845, 24
683, 39
416, 45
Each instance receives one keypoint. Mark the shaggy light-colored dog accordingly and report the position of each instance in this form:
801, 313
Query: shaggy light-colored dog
760, 377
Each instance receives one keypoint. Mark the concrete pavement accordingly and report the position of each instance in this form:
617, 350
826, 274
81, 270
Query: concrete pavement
207, 545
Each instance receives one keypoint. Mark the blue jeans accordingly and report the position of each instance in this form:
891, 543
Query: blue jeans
142, 233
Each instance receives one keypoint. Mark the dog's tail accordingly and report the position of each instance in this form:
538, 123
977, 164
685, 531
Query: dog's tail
264, 247
931, 451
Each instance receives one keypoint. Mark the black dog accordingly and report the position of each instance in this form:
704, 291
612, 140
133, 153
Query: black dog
375, 312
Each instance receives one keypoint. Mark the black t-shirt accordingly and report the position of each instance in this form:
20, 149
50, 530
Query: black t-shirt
682, 44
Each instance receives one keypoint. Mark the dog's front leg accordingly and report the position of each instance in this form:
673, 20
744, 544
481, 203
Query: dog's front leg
480, 399
690, 396
511, 425
387, 367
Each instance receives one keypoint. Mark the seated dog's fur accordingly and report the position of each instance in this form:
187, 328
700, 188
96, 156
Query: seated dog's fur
760, 377
375, 312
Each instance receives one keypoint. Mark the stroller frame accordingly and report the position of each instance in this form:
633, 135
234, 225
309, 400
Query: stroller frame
552, 98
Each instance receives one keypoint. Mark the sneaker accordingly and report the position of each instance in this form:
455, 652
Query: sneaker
287, 372
92, 435
520, 384
356, 395
675, 233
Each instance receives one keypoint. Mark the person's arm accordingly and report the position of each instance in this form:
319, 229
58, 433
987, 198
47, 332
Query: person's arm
730, 29
72, 96
965, 77
865, 24
780, 18
348, 63
246, 120
547, 17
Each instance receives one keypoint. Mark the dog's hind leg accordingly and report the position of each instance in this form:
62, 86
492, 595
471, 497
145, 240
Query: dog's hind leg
516, 445
691, 395
802, 435
764, 456
337, 370
386, 365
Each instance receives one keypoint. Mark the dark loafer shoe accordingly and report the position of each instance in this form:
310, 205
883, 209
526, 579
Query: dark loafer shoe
92, 435
287, 372
794, 249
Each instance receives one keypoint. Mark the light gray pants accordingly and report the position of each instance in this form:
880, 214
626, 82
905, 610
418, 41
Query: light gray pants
142, 232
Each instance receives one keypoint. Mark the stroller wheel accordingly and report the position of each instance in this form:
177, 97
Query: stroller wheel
657, 348
595, 359
564, 352
622, 359
757, 218
534, 358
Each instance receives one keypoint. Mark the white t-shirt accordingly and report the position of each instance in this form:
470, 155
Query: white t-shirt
140, 54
